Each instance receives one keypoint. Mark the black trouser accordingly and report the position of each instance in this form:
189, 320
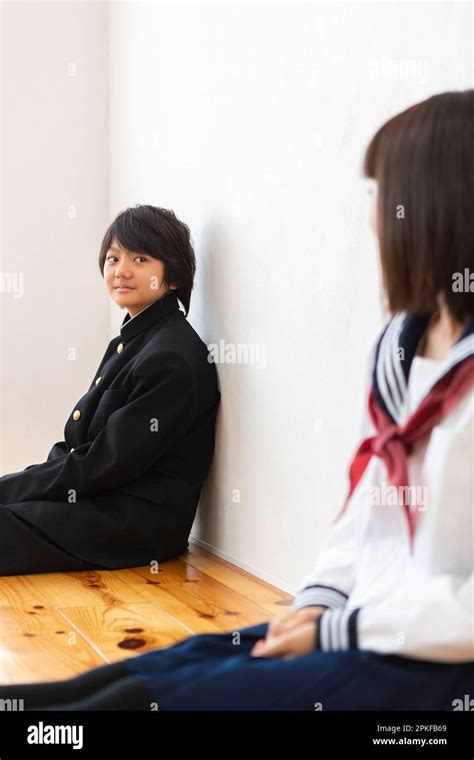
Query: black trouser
92, 534
25, 549
109, 687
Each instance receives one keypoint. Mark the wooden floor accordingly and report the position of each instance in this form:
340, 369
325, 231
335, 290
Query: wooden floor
57, 625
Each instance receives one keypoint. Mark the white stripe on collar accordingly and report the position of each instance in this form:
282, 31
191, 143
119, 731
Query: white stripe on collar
385, 359
390, 375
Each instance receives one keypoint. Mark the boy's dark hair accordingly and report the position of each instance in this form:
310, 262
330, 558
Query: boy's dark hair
160, 234
423, 161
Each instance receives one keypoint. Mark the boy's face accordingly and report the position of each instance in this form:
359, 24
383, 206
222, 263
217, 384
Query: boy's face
140, 275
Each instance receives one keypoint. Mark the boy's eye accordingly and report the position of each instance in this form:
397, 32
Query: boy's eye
111, 258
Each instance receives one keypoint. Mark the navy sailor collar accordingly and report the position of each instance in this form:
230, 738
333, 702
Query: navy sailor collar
394, 355
147, 317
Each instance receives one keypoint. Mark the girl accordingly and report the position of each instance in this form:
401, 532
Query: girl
123, 486
385, 620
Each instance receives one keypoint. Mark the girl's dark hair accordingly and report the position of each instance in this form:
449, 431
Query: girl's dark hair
160, 234
423, 161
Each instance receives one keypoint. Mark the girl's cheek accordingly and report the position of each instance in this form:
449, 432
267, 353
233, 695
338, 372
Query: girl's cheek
373, 215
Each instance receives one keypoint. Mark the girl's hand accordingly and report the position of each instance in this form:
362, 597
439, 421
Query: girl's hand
280, 628
293, 642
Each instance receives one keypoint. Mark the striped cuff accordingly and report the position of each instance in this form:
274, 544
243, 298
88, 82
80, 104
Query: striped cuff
336, 630
319, 595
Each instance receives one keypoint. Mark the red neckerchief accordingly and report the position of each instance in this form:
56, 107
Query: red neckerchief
394, 443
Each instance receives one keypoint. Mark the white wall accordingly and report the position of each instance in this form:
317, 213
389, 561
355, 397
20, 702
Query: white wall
250, 121
53, 212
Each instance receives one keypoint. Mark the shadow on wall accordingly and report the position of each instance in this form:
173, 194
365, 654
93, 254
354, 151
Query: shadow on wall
216, 260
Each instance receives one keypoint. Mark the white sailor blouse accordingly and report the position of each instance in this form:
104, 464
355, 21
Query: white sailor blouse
396, 570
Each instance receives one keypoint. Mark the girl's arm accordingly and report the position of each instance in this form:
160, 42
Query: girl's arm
430, 619
430, 615
332, 579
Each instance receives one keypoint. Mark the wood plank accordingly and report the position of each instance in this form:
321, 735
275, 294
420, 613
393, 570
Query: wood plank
38, 645
125, 630
57, 625
84, 588
195, 621
262, 593
203, 595
20, 591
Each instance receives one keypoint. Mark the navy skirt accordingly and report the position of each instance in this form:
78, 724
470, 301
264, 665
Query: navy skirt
216, 672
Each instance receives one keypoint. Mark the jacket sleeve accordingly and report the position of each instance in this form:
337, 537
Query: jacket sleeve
159, 409
58, 449
330, 582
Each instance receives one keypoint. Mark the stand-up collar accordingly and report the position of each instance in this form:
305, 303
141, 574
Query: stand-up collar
132, 326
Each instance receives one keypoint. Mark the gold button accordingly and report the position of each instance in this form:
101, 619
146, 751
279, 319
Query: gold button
120, 348
72, 449
76, 415
98, 380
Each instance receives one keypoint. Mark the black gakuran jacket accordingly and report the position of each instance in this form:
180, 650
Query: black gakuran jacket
123, 486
